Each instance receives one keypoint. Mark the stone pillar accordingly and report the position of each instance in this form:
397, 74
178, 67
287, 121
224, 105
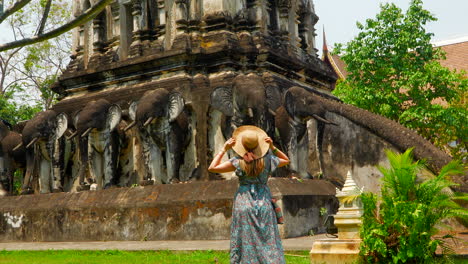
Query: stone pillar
126, 29
75, 34
80, 48
161, 18
195, 16
136, 38
99, 24
142, 31
114, 29
345, 248
294, 39
259, 14
307, 21
283, 7
181, 16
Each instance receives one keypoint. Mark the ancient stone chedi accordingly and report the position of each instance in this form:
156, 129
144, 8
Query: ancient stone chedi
179, 76
154, 89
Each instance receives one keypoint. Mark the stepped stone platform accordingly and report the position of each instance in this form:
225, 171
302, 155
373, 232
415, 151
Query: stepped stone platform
190, 211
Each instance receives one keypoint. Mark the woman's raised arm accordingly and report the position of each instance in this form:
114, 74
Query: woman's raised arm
283, 159
216, 166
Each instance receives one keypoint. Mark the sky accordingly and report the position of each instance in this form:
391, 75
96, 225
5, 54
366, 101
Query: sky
339, 18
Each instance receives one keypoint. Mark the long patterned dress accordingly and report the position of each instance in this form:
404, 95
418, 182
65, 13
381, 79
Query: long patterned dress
254, 230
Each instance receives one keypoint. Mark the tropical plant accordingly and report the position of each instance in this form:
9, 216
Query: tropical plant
395, 71
399, 226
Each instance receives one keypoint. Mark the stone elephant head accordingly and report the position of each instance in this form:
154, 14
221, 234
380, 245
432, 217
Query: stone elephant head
99, 115
164, 132
303, 105
299, 106
156, 104
248, 102
11, 158
98, 143
40, 136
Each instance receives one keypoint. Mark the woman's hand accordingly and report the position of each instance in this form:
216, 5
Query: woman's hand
229, 144
269, 141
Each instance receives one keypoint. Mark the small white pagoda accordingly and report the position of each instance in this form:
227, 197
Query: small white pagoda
344, 248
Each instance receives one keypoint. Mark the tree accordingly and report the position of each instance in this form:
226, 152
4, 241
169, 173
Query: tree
28, 72
395, 72
399, 227
41, 34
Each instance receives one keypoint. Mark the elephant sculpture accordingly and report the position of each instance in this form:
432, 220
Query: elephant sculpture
11, 158
300, 106
248, 102
98, 142
163, 128
40, 138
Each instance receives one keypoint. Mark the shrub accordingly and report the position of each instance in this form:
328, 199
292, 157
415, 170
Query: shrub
399, 226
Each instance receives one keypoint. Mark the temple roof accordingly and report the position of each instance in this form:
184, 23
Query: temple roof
457, 53
333, 60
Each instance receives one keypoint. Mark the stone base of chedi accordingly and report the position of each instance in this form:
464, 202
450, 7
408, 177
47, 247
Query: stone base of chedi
191, 211
345, 248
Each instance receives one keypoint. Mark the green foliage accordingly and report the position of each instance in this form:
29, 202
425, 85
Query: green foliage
17, 182
323, 211
15, 111
399, 226
28, 73
394, 71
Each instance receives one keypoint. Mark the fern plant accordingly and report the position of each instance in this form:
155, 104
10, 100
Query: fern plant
399, 226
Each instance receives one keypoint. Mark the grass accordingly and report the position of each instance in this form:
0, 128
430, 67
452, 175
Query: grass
128, 257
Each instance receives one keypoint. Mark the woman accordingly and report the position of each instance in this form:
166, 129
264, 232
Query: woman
254, 231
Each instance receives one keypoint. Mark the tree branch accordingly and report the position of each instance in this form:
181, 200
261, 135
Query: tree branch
44, 18
15, 7
83, 18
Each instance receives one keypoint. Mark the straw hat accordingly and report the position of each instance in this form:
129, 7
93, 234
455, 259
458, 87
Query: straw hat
250, 138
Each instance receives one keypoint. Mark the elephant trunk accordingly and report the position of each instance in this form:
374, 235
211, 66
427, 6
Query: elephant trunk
32, 142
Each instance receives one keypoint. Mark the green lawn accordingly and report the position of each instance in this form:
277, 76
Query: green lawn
128, 257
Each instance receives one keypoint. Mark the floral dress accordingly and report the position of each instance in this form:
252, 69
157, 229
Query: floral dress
254, 229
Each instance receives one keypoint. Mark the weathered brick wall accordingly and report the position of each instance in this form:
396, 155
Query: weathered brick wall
198, 210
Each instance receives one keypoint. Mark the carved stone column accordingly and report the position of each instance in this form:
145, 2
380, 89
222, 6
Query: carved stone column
114, 42
181, 16
294, 39
78, 54
136, 14
313, 21
99, 30
135, 47
194, 16
306, 28
81, 42
283, 7
162, 20
259, 15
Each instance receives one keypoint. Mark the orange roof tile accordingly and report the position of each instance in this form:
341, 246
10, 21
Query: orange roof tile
457, 56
